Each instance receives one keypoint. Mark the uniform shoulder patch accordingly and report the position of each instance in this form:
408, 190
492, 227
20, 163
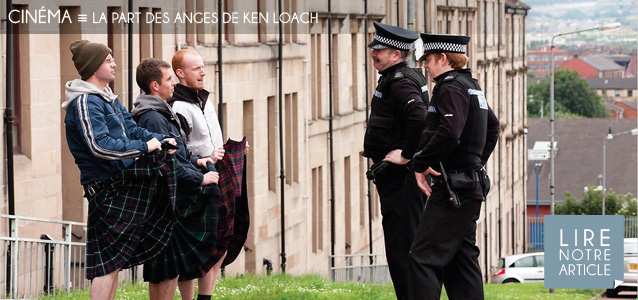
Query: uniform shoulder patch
448, 78
398, 75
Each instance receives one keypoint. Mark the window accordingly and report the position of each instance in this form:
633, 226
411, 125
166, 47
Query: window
617, 93
317, 209
114, 33
291, 138
348, 203
272, 150
630, 93
525, 262
17, 86
540, 260
335, 75
316, 76
362, 190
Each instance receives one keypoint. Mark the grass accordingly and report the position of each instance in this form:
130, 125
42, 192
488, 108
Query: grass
315, 287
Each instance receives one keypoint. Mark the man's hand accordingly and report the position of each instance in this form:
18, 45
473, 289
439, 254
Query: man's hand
422, 183
172, 142
153, 144
210, 177
202, 162
247, 148
395, 157
218, 154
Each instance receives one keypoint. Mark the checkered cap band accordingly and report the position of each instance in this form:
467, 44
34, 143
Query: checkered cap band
393, 43
444, 47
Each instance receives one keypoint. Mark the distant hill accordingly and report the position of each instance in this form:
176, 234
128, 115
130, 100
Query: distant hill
550, 17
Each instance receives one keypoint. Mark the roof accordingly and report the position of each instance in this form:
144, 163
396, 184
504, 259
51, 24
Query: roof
601, 63
516, 4
613, 83
579, 156
631, 104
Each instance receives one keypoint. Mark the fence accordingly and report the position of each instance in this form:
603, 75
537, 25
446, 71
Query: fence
368, 268
535, 231
32, 267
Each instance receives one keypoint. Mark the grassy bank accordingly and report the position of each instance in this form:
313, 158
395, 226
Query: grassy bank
314, 287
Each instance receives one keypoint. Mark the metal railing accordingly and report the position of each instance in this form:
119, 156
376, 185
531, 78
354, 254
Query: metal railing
368, 268
535, 231
31, 267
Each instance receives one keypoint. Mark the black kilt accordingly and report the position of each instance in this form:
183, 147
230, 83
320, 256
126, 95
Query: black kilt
194, 235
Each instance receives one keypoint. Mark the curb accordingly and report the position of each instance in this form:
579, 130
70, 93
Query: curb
598, 296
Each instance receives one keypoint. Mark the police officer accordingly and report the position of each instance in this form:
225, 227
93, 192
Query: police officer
392, 135
460, 132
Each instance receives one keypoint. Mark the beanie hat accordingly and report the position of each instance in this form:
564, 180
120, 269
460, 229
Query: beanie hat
88, 57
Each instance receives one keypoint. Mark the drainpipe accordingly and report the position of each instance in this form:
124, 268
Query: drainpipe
365, 54
282, 171
220, 106
130, 59
524, 143
398, 14
331, 136
513, 140
130, 87
499, 159
425, 17
411, 18
8, 121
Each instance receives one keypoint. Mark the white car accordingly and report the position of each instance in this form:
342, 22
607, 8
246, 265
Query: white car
528, 267
630, 268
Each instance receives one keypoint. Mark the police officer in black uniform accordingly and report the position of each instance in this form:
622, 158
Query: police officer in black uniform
460, 133
392, 135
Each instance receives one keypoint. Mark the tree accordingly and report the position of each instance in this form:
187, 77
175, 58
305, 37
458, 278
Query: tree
592, 201
572, 97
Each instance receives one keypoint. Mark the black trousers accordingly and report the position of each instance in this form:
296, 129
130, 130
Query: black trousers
401, 206
445, 251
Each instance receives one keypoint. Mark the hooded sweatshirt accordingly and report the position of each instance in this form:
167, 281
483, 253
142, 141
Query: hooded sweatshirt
154, 114
102, 136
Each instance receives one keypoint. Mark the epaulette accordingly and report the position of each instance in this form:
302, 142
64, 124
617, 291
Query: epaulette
449, 78
398, 75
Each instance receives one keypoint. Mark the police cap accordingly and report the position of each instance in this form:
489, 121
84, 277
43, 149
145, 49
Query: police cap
388, 36
444, 43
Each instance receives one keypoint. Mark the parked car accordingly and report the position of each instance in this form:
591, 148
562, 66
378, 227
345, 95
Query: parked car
528, 267
630, 268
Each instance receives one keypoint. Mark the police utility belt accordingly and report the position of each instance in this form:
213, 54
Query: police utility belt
466, 179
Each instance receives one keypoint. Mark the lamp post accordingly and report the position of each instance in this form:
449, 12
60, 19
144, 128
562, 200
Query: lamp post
552, 153
537, 168
610, 136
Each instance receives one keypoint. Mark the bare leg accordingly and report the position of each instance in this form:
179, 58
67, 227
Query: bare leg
207, 283
165, 290
187, 289
104, 287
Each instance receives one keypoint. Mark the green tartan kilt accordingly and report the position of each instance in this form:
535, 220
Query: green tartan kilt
194, 237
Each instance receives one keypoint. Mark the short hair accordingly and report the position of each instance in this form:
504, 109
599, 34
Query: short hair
178, 58
457, 60
149, 70
405, 54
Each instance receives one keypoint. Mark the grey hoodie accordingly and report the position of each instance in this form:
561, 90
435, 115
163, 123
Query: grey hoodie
80, 87
145, 102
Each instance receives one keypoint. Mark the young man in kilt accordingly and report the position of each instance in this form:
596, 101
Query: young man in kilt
129, 193
197, 201
204, 139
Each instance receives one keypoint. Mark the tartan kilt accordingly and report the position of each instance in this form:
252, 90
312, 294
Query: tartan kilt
234, 217
131, 216
194, 234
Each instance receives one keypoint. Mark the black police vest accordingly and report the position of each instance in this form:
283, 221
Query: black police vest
386, 126
468, 152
